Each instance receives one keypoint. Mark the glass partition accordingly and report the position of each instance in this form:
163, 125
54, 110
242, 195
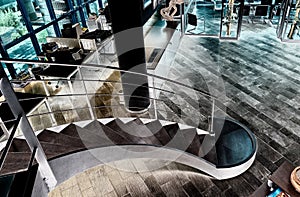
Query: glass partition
289, 22
231, 19
203, 18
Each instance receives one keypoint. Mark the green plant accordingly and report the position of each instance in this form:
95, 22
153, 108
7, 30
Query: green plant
9, 18
15, 35
42, 36
21, 30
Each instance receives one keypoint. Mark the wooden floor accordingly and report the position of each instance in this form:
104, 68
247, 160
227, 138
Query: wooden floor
257, 80
110, 180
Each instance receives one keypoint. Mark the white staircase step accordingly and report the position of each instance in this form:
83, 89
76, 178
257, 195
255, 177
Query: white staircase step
105, 120
59, 128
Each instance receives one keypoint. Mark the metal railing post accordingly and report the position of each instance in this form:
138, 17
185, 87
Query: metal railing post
28, 132
4, 129
86, 94
45, 87
154, 98
211, 130
52, 117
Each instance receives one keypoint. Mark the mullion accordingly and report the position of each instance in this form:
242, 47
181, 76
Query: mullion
29, 27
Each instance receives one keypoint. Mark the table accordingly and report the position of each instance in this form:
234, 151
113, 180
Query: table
280, 177
59, 72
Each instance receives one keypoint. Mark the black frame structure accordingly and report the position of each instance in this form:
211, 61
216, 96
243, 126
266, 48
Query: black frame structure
286, 22
237, 7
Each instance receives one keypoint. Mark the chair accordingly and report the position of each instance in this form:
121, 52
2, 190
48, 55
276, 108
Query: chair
261, 11
217, 5
193, 20
246, 12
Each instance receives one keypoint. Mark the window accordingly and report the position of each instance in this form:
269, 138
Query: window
42, 14
23, 50
21, 24
41, 36
60, 7
11, 25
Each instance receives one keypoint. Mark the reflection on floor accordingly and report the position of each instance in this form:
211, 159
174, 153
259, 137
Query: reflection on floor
170, 179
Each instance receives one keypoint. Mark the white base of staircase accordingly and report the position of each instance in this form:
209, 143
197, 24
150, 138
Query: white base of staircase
70, 165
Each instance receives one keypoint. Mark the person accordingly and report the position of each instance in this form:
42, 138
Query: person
107, 15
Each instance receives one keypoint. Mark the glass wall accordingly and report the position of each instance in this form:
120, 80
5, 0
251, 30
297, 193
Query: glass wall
42, 35
25, 24
11, 25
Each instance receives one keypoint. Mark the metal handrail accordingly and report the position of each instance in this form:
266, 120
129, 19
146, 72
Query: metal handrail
11, 61
210, 98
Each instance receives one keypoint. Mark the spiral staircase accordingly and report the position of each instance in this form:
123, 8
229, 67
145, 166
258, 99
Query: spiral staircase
84, 127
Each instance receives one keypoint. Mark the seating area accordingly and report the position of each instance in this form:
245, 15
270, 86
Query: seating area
256, 13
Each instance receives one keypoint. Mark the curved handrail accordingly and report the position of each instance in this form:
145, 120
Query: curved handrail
111, 106
210, 98
11, 61
91, 105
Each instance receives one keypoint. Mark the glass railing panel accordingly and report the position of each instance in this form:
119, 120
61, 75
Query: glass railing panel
40, 118
183, 104
96, 78
66, 109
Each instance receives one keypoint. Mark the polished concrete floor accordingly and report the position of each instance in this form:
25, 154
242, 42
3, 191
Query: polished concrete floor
257, 82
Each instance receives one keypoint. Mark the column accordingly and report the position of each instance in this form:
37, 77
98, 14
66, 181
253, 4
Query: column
129, 40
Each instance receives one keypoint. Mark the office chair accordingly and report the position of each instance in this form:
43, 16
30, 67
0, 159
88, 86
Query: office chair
193, 20
246, 12
261, 12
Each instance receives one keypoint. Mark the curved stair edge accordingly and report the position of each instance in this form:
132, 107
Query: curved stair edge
103, 155
81, 160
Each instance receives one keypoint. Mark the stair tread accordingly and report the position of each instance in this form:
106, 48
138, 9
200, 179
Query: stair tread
70, 130
194, 140
111, 136
118, 126
186, 139
19, 145
89, 137
59, 138
15, 161
211, 156
138, 128
159, 131
57, 149
94, 137
172, 129
16, 157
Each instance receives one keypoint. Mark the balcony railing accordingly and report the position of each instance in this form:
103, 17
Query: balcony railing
90, 92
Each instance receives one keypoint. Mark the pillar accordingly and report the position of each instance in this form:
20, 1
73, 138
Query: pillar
129, 41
